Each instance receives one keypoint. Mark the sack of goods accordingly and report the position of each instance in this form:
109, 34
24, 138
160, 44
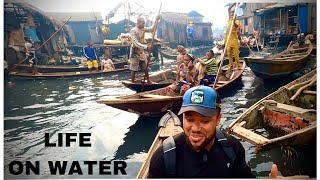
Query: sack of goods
111, 42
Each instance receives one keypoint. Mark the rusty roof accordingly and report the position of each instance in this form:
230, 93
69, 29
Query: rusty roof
77, 16
175, 17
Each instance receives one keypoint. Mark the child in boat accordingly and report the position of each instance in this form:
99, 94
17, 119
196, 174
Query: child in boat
92, 58
208, 70
185, 77
107, 64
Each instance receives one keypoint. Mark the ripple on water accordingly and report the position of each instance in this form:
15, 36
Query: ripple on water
37, 106
49, 99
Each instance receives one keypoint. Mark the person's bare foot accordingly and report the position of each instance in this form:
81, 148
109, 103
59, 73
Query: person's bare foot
150, 82
239, 68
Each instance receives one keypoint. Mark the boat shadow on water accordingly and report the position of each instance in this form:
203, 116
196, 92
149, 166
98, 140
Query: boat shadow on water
144, 130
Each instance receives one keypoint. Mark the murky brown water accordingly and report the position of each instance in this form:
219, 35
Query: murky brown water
32, 108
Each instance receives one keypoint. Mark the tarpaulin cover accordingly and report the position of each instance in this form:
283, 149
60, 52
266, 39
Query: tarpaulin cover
31, 33
303, 20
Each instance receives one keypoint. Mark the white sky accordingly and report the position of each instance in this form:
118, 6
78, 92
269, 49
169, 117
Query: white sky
213, 10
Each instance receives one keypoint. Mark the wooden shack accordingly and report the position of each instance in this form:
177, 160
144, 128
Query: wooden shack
172, 28
22, 19
83, 26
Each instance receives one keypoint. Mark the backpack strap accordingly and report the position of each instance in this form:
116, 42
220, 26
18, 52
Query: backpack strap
169, 153
226, 146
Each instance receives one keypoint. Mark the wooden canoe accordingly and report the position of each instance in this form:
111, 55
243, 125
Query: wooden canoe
64, 68
282, 64
300, 128
155, 102
168, 53
66, 74
169, 125
161, 79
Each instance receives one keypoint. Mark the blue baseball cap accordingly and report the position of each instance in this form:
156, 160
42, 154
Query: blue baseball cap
201, 99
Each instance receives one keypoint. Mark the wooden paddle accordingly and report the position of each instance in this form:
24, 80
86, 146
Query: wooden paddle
42, 44
225, 47
149, 51
255, 39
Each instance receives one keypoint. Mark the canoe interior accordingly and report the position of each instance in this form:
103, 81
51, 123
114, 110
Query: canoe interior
161, 79
279, 119
170, 128
282, 64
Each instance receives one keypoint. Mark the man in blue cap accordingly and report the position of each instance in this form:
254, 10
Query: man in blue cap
202, 150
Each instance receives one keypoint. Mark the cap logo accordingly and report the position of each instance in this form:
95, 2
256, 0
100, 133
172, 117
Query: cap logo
197, 97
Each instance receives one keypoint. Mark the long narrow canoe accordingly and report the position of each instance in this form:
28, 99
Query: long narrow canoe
160, 79
155, 102
66, 74
169, 125
64, 68
290, 112
282, 64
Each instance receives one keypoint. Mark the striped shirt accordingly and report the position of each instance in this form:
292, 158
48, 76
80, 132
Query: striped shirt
211, 66
90, 53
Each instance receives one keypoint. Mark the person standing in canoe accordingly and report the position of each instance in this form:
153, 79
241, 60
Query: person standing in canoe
139, 57
30, 54
92, 58
202, 150
233, 44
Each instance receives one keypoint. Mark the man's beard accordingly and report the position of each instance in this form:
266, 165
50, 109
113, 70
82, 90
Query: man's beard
203, 144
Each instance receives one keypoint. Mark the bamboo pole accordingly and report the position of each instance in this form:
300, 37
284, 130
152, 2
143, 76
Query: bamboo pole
149, 51
225, 47
303, 88
42, 44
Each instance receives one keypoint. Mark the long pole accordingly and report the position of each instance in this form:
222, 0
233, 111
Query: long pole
255, 39
149, 51
42, 44
225, 47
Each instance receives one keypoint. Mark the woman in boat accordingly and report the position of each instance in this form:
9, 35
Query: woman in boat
107, 64
185, 77
182, 51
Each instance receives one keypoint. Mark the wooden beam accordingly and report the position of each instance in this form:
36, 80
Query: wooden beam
292, 57
304, 53
310, 92
248, 135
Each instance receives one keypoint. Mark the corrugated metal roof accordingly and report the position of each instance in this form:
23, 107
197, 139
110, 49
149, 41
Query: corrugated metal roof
175, 17
273, 6
77, 16
194, 14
